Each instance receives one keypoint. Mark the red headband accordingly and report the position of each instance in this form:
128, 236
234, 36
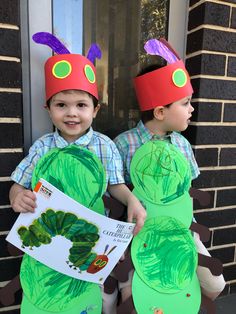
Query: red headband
69, 71
163, 86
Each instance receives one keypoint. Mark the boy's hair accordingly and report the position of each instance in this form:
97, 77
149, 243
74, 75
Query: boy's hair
94, 99
148, 114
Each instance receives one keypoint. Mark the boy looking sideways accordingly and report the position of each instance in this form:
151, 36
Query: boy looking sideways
164, 96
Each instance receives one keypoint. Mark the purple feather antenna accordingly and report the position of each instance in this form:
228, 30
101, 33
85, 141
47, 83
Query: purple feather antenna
94, 52
51, 41
158, 48
165, 42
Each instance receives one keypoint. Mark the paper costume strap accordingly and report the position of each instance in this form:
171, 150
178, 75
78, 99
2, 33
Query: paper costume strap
66, 70
165, 85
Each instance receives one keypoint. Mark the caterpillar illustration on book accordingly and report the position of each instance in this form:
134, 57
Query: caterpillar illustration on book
81, 233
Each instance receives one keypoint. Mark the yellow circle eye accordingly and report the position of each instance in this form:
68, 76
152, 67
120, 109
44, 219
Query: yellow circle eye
102, 264
97, 262
61, 69
179, 78
89, 73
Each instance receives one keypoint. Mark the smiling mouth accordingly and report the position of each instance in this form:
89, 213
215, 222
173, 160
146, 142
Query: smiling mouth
71, 123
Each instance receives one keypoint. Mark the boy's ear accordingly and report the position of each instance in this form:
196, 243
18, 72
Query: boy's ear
96, 109
158, 113
48, 109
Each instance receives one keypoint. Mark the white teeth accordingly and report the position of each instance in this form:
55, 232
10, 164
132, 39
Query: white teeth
71, 123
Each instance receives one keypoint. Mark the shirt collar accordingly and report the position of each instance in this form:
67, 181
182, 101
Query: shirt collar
146, 135
166, 137
84, 140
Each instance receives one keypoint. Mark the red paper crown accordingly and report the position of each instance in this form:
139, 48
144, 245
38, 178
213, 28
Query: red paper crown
165, 85
68, 71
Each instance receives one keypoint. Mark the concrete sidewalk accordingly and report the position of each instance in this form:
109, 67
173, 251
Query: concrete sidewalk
225, 305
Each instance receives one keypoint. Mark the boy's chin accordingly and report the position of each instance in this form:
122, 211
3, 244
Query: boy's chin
183, 129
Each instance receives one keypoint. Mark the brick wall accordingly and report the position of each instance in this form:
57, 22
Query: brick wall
211, 61
11, 141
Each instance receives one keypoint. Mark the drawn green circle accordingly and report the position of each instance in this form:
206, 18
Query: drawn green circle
61, 69
89, 73
179, 78
48, 291
61, 166
160, 173
164, 254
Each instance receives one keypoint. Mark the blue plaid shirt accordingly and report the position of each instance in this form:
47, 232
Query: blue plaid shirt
129, 141
99, 144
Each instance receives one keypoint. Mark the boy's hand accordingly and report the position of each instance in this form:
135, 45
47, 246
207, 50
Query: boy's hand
21, 199
136, 213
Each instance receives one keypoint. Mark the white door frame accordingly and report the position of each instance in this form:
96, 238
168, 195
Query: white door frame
36, 16
177, 28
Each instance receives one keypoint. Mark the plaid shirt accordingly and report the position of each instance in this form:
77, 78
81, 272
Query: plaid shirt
129, 141
99, 144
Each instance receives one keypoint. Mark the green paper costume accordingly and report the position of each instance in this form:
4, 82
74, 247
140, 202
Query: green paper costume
164, 252
78, 173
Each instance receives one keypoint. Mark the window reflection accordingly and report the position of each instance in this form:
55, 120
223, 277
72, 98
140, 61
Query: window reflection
121, 28
68, 23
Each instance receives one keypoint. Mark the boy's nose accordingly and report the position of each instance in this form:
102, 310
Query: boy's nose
71, 111
191, 109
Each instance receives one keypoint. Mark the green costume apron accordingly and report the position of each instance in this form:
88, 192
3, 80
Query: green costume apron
79, 174
164, 252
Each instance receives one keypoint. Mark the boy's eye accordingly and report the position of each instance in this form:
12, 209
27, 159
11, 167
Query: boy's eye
187, 102
81, 104
60, 105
